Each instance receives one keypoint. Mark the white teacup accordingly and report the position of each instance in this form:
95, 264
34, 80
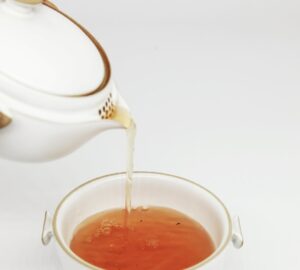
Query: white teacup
149, 189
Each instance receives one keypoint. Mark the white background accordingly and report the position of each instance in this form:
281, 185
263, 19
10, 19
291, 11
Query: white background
214, 86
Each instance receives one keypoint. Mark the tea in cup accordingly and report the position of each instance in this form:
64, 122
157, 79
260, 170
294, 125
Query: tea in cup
95, 211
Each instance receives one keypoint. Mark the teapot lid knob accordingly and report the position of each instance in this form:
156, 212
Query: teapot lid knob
30, 2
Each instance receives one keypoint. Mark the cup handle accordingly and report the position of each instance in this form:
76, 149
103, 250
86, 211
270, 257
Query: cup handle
47, 233
237, 234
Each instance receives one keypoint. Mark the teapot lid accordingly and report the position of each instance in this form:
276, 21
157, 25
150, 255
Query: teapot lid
47, 51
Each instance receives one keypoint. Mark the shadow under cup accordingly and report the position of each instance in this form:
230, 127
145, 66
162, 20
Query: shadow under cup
149, 189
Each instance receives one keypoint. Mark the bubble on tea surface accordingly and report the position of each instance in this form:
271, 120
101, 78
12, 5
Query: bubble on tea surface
152, 243
104, 228
89, 239
117, 225
117, 248
145, 208
98, 232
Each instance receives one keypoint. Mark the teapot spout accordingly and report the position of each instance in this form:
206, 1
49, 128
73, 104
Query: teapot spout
121, 114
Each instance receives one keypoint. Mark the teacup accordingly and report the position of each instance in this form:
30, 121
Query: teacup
150, 188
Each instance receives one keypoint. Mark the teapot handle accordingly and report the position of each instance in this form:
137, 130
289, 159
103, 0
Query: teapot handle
4, 120
50, 4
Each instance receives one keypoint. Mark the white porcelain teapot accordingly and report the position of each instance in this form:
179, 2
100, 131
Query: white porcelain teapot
56, 90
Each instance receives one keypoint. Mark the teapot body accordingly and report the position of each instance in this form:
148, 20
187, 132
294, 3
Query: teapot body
56, 90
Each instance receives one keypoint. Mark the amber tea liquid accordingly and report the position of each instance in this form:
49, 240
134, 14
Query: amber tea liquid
155, 238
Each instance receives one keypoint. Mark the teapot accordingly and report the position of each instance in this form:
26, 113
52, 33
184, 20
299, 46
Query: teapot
56, 90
